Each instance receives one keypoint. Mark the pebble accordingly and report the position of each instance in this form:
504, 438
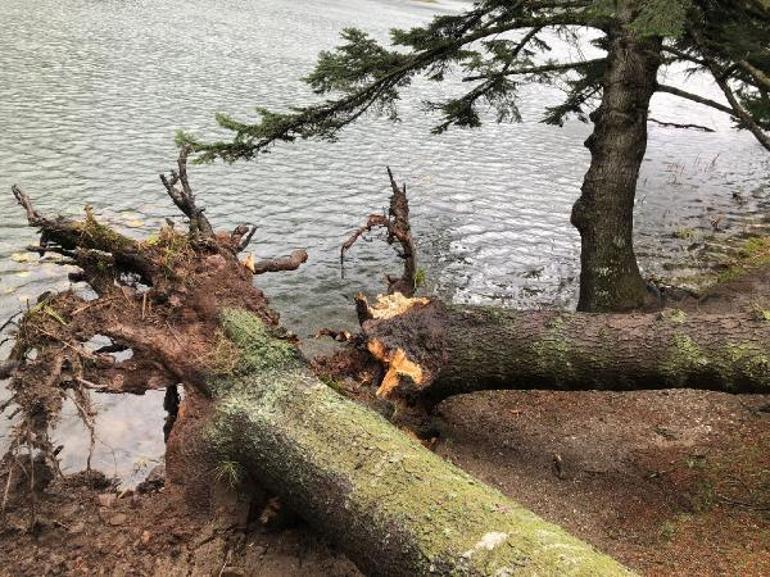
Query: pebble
107, 500
117, 519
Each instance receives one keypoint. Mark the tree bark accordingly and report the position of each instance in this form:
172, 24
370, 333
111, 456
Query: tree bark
394, 507
609, 275
432, 351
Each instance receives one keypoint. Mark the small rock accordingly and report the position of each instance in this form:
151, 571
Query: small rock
232, 572
107, 500
117, 519
77, 528
154, 481
146, 536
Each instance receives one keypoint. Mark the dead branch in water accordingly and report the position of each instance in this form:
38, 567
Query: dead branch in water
291, 262
396, 223
184, 198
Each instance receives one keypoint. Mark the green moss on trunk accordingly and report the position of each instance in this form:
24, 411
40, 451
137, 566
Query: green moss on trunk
396, 508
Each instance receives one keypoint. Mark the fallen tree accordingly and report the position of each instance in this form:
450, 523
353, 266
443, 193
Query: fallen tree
180, 309
429, 350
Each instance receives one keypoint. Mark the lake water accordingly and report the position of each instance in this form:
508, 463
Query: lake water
91, 92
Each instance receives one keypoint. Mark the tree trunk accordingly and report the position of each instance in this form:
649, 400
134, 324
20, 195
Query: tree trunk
394, 507
609, 274
432, 351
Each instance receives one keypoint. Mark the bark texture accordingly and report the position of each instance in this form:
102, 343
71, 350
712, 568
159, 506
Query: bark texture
609, 275
438, 351
395, 508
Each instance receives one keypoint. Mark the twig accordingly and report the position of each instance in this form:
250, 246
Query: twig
89, 384
677, 125
33, 497
87, 418
12, 461
735, 502
10, 321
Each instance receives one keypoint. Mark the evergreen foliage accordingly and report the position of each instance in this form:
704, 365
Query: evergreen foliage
498, 44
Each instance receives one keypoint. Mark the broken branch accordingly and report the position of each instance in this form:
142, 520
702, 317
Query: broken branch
397, 226
184, 198
291, 262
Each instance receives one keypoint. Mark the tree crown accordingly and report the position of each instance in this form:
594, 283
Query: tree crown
496, 45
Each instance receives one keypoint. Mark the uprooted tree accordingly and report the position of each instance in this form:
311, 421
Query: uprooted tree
182, 309
500, 44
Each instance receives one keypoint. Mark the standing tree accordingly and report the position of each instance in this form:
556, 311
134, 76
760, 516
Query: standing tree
498, 44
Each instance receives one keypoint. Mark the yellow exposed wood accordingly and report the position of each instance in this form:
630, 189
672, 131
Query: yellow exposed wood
397, 364
389, 306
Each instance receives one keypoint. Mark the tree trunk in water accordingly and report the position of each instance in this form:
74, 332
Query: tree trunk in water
432, 351
609, 274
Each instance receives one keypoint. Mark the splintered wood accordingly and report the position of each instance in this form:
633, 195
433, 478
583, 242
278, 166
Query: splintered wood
393, 305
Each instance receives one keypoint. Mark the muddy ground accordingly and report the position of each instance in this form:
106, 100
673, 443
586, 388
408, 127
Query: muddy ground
672, 483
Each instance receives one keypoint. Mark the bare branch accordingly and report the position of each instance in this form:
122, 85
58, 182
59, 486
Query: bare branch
11, 321
78, 239
677, 125
21, 197
683, 55
397, 226
291, 262
695, 98
184, 198
756, 73
241, 236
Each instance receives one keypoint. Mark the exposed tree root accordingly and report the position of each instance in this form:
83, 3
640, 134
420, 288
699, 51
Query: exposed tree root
157, 302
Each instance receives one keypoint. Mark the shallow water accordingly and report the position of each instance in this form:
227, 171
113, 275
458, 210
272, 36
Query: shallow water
91, 92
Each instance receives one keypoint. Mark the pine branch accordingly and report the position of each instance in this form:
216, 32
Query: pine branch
554, 67
721, 79
325, 120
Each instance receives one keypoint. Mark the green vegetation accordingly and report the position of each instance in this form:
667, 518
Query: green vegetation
754, 253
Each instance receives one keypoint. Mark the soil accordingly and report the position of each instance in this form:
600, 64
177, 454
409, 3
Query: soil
672, 483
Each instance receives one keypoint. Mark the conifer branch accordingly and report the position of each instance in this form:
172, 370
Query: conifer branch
545, 68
